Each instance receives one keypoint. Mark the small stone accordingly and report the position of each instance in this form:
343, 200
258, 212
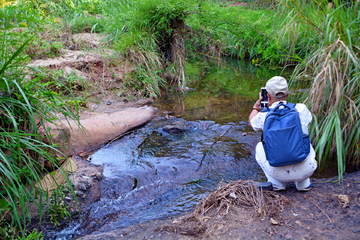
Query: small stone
332, 226
79, 193
344, 200
67, 198
233, 195
274, 222
82, 186
98, 176
173, 129
288, 236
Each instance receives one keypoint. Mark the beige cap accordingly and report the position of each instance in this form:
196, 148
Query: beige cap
277, 85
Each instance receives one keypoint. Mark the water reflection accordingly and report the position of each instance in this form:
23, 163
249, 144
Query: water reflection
221, 91
152, 173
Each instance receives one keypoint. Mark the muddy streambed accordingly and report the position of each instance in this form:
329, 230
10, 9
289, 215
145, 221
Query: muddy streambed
160, 170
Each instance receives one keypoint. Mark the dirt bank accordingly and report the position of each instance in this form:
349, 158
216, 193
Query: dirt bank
328, 211
96, 75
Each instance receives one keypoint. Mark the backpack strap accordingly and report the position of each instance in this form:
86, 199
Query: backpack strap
291, 105
267, 109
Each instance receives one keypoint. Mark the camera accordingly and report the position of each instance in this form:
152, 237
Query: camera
265, 101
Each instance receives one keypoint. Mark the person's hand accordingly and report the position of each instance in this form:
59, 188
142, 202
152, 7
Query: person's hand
257, 104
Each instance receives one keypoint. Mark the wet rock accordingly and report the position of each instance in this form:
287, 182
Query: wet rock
205, 125
179, 123
173, 128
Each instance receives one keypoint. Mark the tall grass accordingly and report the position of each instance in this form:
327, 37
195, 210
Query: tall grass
22, 147
151, 32
334, 66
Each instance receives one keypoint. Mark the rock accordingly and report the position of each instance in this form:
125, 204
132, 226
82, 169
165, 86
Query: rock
332, 226
344, 200
98, 128
233, 195
173, 129
68, 199
96, 175
79, 193
274, 222
82, 187
179, 123
288, 236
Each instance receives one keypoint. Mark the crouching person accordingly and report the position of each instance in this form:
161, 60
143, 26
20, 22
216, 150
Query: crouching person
285, 153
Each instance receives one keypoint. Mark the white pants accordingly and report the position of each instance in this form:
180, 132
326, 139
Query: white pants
297, 172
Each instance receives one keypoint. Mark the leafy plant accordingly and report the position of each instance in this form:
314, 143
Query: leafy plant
6, 230
57, 208
35, 235
25, 105
150, 31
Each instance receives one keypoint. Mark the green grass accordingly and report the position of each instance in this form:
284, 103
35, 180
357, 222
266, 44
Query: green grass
333, 65
23, 147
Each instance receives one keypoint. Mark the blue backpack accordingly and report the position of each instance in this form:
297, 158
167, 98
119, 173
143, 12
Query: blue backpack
283, 140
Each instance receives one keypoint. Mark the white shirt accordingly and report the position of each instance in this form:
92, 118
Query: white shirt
258, 121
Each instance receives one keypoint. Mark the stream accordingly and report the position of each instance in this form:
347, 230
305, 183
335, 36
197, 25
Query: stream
170, 164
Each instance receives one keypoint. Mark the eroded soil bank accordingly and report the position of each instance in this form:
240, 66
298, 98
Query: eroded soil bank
328, 211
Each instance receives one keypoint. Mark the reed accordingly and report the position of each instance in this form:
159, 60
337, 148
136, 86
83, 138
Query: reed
22, 147
333, 66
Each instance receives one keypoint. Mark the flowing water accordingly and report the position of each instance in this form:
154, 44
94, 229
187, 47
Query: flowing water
153, 173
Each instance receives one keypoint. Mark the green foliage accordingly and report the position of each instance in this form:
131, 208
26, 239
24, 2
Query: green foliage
87, 24
235, 32
22, 146
35, 235
6, 230
66, 8
333, 65
149, 32
57, 208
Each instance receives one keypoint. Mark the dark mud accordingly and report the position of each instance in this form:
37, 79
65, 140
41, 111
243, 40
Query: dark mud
328, 211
